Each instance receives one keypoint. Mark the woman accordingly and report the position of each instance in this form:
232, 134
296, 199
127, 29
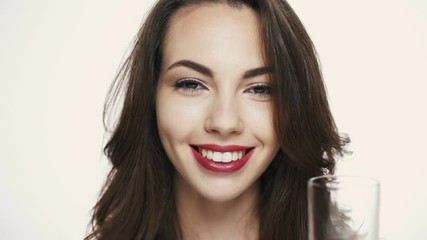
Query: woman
224, 120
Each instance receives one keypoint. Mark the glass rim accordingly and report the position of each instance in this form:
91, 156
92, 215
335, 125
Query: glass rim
340, 180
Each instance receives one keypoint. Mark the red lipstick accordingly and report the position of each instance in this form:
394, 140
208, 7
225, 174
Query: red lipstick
219, 148
223, 167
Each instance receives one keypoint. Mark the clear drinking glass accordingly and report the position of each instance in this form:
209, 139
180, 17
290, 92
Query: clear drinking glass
343, 207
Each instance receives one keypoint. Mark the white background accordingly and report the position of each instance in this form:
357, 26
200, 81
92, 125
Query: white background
57, 59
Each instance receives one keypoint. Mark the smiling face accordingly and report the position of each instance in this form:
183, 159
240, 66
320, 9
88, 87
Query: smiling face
213, 102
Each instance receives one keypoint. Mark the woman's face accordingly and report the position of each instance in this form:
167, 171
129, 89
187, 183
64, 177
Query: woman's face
213, 101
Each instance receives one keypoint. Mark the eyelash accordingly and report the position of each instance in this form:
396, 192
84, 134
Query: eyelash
266, 90
184, 85
193, 85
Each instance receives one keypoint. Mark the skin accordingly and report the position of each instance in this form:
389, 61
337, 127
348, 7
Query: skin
228, 105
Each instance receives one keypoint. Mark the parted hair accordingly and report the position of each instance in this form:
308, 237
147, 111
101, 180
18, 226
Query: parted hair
137, 200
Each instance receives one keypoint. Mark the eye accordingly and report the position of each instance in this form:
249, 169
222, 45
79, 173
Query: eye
260, 90
189, 84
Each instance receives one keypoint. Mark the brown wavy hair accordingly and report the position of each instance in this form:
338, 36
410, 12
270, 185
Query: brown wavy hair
137, 201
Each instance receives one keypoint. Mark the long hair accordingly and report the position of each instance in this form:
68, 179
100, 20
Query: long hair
137, 201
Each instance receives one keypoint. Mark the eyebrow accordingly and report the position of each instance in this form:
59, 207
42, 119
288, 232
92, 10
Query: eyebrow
208, 72
257, 72
193, 65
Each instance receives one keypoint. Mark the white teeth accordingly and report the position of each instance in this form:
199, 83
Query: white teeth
226, 157
221, 156
217, 157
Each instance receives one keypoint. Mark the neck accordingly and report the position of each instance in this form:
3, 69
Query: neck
201, 218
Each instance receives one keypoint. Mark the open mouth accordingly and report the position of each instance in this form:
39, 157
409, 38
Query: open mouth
221, 156
223, 159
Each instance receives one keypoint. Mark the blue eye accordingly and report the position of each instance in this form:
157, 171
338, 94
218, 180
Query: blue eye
260, 89
189, 84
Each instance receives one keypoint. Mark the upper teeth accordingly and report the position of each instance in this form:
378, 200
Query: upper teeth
221, 156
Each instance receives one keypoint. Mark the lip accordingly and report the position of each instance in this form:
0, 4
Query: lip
220, 148
222, 167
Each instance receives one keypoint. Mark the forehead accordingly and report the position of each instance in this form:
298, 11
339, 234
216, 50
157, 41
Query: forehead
209, 31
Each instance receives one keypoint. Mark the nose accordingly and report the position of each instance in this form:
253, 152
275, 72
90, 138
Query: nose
223, 117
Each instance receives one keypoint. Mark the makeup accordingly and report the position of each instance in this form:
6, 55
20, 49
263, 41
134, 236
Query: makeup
223, 159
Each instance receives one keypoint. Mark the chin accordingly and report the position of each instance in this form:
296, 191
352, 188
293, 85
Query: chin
223, 194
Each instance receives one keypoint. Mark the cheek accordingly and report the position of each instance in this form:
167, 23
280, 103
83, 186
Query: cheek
176, 120
261, 124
